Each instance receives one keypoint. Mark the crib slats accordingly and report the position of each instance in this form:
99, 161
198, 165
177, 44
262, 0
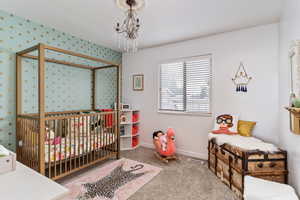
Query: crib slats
115, 134
65, 140
55, 135
35, 144
89, 138
49, 153
112, 146
30, 141
24, 141
108, 134
95, 148
97, 130
83, 141
70, 143
60, 149
101, 136
105, 138
111, 134
78, 148
87, 141
31, 144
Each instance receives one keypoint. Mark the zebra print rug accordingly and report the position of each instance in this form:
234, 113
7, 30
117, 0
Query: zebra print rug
114, 181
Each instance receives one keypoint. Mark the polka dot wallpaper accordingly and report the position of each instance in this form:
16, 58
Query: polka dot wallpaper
67, 88
106, 82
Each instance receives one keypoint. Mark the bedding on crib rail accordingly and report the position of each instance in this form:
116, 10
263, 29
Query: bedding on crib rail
73, 146
74, 137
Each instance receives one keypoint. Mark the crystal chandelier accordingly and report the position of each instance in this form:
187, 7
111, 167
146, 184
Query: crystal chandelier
127, 32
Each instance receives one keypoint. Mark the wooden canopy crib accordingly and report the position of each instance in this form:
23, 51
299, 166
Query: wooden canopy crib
59, 143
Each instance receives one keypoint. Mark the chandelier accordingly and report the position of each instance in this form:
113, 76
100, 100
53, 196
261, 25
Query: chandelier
127, 32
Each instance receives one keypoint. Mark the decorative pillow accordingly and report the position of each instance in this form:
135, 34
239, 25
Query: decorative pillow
226, 124
245, 128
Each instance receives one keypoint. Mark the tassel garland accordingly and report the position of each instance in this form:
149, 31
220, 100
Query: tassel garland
241, 88
241, 79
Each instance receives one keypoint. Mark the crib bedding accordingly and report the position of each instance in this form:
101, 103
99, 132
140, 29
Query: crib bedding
73, 146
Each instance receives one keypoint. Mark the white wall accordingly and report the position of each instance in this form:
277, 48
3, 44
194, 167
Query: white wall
256, 47
289, 31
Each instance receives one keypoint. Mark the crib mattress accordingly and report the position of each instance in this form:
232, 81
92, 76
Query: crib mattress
70, 147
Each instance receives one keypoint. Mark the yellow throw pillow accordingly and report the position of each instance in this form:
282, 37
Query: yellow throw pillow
245, 128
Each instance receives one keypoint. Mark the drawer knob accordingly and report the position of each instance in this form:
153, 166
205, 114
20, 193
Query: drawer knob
260, 165
272, 164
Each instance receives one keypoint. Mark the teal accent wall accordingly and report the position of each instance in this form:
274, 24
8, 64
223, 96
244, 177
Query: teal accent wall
106, 81
67, 88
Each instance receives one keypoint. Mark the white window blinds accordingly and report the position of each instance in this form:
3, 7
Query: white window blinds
172, 86
185, 85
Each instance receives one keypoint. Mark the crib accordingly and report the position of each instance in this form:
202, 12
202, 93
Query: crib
57, 144
72, 141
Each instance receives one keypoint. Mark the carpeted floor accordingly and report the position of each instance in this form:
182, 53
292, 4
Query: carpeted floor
188, 179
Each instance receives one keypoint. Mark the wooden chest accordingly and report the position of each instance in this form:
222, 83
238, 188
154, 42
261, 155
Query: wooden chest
231, 164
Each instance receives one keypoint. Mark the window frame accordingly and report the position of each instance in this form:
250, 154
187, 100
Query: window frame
175, 112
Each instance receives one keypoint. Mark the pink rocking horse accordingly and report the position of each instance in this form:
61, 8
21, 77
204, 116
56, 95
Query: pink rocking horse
165, 145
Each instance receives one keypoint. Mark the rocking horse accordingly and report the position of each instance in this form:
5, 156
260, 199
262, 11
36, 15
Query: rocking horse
165, 145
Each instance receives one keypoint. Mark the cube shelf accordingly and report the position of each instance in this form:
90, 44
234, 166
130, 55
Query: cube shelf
130, 129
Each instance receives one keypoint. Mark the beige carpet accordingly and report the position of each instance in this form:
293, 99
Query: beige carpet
188, 179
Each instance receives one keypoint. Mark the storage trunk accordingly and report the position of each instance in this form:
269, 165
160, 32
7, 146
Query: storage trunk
231, 164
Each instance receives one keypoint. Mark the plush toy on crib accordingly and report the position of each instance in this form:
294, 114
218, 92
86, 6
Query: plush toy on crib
165, 145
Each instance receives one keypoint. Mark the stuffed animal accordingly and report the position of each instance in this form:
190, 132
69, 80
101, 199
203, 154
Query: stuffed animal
162, 137
165, 143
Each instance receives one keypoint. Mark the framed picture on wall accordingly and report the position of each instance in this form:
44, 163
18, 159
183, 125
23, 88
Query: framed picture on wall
138, 82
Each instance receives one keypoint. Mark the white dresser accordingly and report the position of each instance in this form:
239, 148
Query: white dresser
26, 184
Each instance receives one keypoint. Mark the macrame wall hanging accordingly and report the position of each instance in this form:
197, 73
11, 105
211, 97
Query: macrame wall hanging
241, 79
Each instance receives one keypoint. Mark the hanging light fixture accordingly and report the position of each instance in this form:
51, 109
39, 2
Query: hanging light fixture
128, 31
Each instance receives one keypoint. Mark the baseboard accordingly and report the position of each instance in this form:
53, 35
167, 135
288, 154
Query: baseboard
202, 156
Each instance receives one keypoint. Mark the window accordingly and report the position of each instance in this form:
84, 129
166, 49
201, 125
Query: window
185, 85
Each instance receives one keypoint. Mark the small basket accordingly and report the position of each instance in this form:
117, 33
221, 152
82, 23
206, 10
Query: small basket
135, 117
135, 129
294, 119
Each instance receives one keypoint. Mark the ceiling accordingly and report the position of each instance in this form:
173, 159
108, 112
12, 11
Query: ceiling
163, 21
